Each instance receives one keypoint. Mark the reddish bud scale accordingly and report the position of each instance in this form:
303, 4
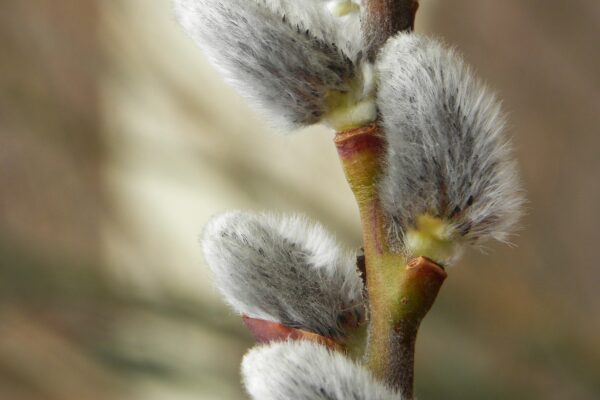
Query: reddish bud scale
269, 331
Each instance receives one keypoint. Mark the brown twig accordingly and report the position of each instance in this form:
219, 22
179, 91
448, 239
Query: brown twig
384, 18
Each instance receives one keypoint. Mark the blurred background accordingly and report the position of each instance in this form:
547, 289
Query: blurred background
118, 142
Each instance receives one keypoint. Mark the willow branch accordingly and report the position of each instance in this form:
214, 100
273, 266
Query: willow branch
400, 294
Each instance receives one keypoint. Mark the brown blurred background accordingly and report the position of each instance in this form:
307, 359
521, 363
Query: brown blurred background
118, 141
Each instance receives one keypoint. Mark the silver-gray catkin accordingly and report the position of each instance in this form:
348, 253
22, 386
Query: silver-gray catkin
284, 269
306, 370
283, 56
447, 153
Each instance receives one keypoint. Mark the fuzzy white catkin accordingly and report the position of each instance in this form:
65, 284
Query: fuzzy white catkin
447, 154
284, 269
284, 56
305, 370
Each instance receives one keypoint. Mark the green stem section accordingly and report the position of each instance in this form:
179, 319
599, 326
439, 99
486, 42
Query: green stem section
400, 295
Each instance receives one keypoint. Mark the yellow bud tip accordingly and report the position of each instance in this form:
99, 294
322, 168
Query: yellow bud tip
356, 107
341, 8
432, 237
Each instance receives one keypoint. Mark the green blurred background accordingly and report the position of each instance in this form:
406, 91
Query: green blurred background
118, 142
